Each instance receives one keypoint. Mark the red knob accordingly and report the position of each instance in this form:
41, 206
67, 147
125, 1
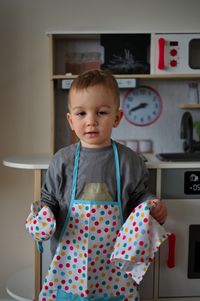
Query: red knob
173, 63
173, 52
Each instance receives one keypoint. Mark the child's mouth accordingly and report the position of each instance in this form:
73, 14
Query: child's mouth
91, 134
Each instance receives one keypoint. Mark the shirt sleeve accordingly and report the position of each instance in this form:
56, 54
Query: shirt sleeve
50, 188
141, 190
135, 181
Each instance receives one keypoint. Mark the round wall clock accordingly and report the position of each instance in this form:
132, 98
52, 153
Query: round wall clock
142, 105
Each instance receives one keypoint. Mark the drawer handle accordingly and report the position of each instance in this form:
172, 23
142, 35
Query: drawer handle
171, 254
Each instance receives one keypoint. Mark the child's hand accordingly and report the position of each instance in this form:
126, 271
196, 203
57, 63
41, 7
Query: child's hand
159, 212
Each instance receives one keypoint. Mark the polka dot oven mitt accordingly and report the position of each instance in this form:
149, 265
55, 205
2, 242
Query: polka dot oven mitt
137, 242
41, 223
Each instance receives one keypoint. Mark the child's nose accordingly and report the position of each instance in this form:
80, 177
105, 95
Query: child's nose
92, 119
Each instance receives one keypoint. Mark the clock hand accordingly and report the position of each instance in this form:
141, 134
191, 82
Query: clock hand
140, 106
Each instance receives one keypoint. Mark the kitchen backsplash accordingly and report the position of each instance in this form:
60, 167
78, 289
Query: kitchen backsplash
165, 132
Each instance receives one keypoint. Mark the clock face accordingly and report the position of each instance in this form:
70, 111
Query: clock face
142, 106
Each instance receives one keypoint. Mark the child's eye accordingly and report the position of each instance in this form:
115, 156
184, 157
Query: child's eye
81, 114
102, 113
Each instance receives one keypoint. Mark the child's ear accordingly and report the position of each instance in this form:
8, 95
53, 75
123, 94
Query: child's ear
69, 119
118, 118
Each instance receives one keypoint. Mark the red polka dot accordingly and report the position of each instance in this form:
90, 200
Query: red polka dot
145, 220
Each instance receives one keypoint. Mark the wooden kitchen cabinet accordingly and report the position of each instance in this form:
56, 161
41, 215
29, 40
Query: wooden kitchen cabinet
73, 53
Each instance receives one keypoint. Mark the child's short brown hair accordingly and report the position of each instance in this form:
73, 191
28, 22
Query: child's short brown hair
97, 77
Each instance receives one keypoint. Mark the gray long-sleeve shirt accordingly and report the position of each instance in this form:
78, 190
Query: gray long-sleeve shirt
96, 173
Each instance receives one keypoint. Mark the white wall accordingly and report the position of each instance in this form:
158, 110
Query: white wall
24, 88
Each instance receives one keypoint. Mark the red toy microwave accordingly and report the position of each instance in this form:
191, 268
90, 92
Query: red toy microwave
175, 53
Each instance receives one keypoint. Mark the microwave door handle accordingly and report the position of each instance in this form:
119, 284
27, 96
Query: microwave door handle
161, 53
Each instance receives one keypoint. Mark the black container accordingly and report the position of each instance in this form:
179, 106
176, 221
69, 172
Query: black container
126, 53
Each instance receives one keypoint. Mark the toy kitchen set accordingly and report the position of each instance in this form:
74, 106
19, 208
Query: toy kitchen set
159, 80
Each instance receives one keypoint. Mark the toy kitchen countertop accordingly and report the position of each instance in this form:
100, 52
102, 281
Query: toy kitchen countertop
41, 162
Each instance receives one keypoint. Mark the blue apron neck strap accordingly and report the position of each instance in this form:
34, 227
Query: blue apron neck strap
118, 182
75, 171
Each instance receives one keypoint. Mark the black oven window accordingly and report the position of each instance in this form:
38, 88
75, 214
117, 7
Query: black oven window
194, 54
194, 252
197, 257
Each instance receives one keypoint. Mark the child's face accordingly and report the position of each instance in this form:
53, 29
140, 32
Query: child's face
93, 114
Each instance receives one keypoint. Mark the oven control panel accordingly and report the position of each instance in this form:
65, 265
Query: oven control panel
192, 182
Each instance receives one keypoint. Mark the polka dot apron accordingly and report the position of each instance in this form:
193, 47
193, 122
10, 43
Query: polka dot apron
81, 268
